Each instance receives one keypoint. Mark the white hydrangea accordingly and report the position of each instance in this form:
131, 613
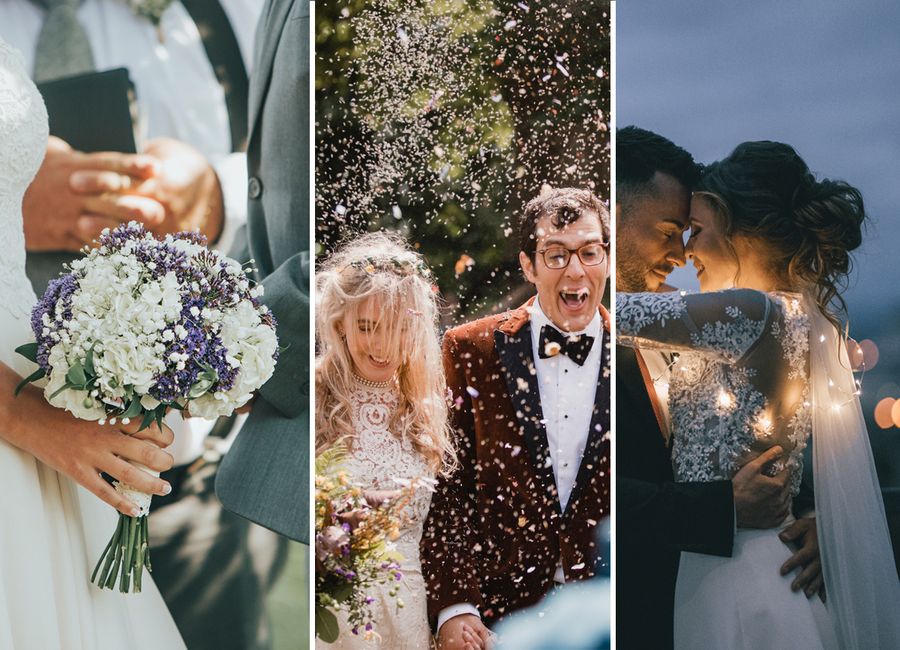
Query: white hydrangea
249, 343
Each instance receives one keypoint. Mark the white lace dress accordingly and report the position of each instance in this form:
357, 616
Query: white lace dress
739, 385
378, 458
51, 531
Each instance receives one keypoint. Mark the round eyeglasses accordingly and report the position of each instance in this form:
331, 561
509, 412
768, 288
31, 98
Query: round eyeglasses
557, 257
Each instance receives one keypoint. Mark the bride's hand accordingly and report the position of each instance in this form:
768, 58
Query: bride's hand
81, 449
802, 533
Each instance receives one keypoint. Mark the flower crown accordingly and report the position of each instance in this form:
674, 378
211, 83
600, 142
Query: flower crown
396, 265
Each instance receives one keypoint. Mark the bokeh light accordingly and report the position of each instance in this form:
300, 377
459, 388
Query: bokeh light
869, 352
895, 413
883, 415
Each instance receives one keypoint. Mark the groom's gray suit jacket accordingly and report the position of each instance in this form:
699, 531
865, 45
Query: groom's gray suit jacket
265, 476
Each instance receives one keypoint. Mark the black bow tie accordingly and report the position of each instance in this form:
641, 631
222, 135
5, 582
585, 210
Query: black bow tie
553, 342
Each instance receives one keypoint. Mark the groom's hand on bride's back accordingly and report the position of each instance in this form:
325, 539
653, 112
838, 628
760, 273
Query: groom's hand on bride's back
760, 500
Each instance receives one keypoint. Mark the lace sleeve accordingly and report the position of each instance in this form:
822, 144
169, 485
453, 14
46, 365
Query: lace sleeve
725, 325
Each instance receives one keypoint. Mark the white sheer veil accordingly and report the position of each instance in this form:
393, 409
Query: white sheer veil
863, 590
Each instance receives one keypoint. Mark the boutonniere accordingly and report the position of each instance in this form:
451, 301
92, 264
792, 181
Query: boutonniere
152, 10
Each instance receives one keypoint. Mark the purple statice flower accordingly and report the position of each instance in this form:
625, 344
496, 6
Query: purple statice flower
59, 292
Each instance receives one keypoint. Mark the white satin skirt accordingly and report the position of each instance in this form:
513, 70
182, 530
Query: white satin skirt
51, 534
743, 602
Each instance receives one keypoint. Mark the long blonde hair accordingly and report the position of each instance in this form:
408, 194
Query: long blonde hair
381, 266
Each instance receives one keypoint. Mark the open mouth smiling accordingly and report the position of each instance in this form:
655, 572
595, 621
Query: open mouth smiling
574, 299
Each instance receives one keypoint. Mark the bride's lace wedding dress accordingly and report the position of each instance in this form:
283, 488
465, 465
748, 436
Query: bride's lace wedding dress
739, 384
51, 530
376, 459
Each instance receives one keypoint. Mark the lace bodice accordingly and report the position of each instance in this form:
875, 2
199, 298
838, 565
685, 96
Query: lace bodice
739, 381
379, 458
23, 141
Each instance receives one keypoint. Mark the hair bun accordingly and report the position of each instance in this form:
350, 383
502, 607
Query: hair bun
830, 212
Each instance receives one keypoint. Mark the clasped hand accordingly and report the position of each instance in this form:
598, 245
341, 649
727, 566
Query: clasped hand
170, 187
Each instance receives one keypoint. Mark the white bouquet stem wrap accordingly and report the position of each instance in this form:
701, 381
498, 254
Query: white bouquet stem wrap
140, 499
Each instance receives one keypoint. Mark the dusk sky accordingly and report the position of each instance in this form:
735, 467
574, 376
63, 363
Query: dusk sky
823, 77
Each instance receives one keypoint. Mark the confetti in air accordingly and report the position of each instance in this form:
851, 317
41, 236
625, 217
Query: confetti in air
442, 119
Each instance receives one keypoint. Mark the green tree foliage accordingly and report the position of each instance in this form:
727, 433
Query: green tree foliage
441, 118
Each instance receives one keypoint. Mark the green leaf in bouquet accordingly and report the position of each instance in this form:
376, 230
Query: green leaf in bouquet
37, 374
76, 375
65, 386
159, 413
134, 408
342, 592
147, 420
204, 383
29, 351
326, 624
89, 363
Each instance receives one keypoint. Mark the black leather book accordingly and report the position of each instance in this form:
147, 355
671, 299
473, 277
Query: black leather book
94, 111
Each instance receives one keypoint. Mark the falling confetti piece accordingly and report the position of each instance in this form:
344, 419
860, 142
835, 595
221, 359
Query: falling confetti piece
472, 391
552, 348
463, 264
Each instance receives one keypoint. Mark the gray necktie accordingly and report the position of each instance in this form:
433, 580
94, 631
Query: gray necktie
63, 48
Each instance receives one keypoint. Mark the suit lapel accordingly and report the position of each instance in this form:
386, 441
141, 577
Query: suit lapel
514, 349
268, 35
630, 378
600, 427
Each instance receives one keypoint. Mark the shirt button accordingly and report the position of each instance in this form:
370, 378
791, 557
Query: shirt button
254, 187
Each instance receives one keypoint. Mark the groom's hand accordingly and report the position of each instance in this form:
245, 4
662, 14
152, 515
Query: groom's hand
802, 534
464, 632
760, 500
182, 183
53, 211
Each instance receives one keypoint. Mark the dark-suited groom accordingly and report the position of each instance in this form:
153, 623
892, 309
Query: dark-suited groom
265, 476
657, 518
532, 428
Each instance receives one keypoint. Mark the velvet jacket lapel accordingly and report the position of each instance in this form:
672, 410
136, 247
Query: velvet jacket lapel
513, 343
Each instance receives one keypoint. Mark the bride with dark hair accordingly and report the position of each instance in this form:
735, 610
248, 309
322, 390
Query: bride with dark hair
761, 362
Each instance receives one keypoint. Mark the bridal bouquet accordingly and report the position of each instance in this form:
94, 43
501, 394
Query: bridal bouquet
353, 547
142, 325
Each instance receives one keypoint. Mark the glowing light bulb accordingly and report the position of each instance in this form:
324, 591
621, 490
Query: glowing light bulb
725, 400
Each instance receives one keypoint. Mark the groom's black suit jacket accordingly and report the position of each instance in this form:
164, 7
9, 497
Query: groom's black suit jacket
657, 518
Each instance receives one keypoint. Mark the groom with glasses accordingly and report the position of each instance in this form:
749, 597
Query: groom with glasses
531, 420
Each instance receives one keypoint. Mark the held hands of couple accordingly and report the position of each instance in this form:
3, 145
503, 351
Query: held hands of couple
75, 195
465, 632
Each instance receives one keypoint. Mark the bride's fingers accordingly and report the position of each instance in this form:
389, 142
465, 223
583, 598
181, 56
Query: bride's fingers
471, 639
144, 452
161, 437
126, 473
105, 492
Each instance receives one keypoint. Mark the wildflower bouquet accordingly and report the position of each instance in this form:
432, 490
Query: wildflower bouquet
142, 325
354, 547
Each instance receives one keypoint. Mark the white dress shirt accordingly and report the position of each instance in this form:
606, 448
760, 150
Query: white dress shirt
567, 393
178, 96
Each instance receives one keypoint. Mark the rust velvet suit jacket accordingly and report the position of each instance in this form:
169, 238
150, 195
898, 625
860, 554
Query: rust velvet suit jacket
495, 531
